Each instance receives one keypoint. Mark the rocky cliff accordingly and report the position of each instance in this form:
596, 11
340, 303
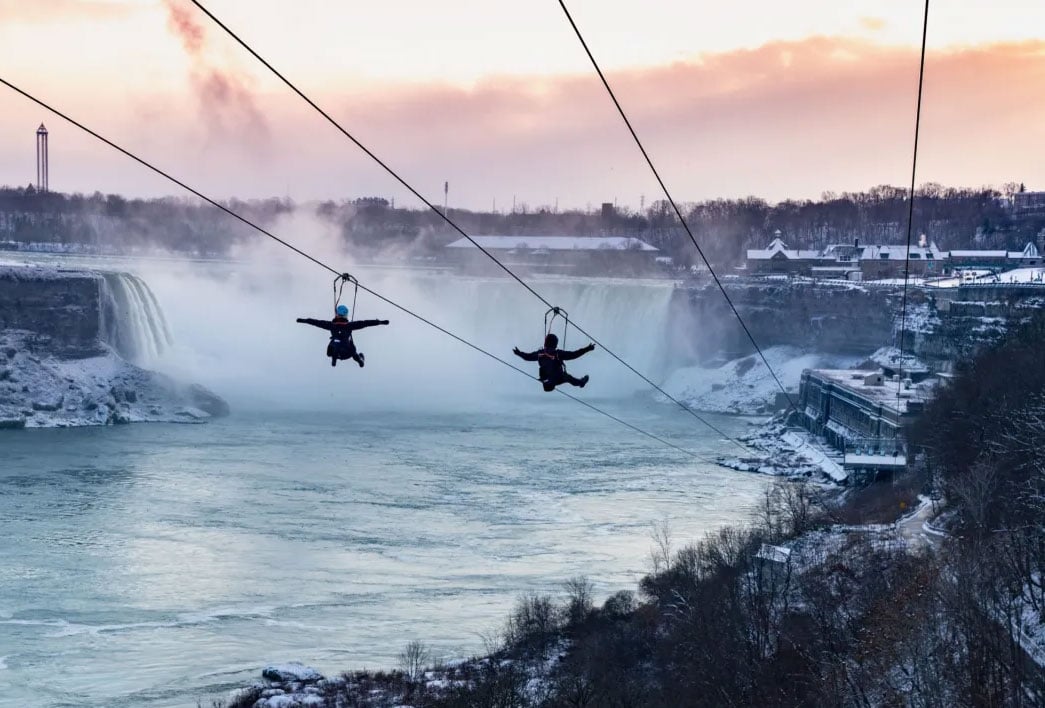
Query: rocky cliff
71, 345
941, 326
837, 318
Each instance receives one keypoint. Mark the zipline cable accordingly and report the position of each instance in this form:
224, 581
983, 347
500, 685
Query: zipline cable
910, 202
336, 272
395, 175
678, 212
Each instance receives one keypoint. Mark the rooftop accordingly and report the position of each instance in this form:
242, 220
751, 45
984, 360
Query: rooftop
556, 243
881, 394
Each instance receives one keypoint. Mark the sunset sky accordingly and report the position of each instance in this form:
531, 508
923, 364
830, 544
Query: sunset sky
774, 99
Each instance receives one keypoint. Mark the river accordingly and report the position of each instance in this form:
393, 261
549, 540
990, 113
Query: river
339, 513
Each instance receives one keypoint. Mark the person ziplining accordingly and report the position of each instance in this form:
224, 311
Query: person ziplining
550, 359
341, 345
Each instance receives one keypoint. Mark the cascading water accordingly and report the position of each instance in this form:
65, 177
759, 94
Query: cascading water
249, 347
630, 317
133, 321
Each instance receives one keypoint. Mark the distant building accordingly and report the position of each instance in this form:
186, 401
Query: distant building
882, 262
995, 260
874, 262
1026, 204
863, 413
777, 258
577, 254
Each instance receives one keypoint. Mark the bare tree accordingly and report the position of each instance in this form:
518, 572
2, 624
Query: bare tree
414, 659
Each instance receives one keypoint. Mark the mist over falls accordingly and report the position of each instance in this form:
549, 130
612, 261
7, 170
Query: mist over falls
236, 333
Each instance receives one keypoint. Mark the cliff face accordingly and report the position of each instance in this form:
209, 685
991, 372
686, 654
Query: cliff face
61, 311
953, 326
65, 337
839, 319
941, 326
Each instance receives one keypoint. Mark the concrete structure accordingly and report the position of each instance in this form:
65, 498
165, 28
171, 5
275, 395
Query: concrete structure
41, 159
558, 253
861, 413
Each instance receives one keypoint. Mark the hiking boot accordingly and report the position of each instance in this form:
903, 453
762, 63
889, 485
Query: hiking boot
361, 359
584, 381
333, 361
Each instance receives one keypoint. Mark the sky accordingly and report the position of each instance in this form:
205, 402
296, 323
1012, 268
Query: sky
765, 98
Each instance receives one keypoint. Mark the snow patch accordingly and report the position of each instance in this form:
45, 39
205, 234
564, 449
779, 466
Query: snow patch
745, 386
292, 671
38, 390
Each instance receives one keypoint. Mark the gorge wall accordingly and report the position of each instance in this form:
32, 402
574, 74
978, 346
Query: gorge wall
942, 325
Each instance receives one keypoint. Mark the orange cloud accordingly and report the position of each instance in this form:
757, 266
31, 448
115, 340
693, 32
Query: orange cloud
788, 119
874, 24
785, 119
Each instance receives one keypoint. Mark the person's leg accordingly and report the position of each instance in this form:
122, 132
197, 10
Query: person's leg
581, 382
349, 351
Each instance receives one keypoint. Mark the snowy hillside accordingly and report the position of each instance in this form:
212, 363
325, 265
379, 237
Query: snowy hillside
745, 385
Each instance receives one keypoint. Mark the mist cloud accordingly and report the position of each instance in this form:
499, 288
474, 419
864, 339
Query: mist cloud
227, 103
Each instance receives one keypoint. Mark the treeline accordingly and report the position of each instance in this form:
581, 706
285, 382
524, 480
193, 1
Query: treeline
725, 228
111, 223
817, 602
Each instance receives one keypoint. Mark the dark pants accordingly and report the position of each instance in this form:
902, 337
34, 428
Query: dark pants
342, 349
551, 382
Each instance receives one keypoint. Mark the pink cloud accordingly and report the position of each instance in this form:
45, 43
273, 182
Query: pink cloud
227, 102
785, 119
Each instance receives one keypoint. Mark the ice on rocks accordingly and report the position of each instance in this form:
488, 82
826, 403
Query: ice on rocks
53, 392
292, 671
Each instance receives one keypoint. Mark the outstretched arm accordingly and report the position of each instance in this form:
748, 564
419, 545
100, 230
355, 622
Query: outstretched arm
322, 324
363, 324
567, 356
528, 356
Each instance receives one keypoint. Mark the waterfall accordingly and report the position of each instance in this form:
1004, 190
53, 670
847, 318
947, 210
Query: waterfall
133, 321
631, 317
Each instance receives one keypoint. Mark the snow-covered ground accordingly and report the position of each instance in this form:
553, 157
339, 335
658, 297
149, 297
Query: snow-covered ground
43, 391
745, 386
1020, 276
788, 452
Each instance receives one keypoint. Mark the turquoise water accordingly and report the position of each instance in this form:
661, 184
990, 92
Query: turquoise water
153, 565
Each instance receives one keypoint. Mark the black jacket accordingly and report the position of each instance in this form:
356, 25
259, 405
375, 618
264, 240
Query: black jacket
339, 327
551, 361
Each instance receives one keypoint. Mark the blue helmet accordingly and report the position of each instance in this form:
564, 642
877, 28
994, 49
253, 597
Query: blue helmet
342, 310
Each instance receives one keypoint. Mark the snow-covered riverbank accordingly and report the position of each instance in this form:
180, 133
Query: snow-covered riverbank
39, 390
745, 386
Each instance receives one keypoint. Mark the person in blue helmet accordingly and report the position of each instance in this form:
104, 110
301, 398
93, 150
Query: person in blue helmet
341, 346
552, 370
